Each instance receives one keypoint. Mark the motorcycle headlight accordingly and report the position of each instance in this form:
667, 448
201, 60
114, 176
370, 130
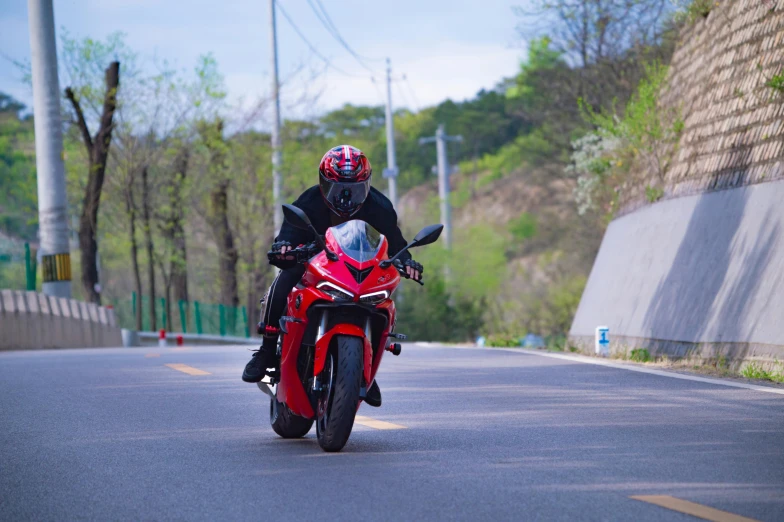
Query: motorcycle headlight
334, 291
374, 298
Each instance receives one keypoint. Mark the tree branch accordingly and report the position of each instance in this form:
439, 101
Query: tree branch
88, 141
104, 134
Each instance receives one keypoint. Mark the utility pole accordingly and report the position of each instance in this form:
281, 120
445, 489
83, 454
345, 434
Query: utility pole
391, 171
277, 182
444, 169
52, 201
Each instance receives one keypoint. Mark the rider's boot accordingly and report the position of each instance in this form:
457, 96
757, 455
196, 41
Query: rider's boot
373, 395
261, 359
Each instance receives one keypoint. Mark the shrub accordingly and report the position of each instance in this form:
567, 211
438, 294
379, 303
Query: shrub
640, 355
653, 194
643, 138
692, 10
524, 227
503, 341
777, 83
755, 371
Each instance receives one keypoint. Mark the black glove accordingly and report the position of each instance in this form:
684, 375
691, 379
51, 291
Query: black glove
401, 268
301, 254
275, 258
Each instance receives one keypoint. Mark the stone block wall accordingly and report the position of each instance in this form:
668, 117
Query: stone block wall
733, 123
700, 274
29, 320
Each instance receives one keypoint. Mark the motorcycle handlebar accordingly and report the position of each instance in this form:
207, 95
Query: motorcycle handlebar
303, 253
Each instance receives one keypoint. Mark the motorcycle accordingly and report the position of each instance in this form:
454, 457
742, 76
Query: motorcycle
339, 321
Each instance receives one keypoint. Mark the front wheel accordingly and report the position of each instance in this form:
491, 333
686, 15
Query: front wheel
341, 383
285, 423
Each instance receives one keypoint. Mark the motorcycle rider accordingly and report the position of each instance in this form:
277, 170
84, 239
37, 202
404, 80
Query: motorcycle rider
343, 193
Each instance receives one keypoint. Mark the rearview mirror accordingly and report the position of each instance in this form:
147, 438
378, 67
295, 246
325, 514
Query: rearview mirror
296, 217
428, 235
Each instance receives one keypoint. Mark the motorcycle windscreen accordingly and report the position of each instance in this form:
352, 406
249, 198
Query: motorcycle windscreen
358, 240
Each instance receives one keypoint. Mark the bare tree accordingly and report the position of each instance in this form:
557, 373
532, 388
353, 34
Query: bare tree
98, 153
606, 41
218, 219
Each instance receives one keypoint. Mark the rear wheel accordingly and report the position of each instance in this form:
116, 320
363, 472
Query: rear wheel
341, 383
285, 423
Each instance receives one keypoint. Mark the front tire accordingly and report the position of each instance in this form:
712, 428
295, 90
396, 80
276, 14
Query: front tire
337, 405
285, 423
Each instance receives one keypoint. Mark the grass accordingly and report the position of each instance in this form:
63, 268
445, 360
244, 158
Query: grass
700, 9
640, 355
755, 370
777, 83
653, 194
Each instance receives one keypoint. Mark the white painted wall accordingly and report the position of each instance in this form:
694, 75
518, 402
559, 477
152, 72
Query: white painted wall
703, 268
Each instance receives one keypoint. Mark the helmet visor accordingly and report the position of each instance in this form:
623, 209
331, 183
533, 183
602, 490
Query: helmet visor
345, 197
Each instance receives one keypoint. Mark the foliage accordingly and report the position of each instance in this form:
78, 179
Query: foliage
643, 137
430, 313
754, 370
503, 341
18, 193
776, 83
690, 11
640, 355
653, 194
523, 227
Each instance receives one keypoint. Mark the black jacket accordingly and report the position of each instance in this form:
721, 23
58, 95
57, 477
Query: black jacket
377, 211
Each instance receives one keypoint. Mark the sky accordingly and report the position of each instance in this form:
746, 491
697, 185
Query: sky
444, 48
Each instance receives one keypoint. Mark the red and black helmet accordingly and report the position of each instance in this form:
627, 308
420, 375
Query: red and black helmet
344, 178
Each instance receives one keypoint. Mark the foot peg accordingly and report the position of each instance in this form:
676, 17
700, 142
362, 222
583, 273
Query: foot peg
395, 348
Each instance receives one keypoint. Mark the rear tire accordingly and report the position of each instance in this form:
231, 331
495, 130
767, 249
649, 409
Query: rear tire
338, 403
285, 423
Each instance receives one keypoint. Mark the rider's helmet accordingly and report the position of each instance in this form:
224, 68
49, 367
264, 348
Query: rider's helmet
344, 179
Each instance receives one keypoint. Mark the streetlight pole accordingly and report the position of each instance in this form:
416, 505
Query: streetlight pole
277, 182
444, 169
50, 170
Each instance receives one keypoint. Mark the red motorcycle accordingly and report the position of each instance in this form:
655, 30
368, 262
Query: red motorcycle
339, 322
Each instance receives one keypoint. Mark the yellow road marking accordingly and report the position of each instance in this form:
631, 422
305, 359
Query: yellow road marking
152, 355
691, 508
377, 424
184, 368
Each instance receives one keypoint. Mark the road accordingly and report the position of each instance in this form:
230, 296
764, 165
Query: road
481, 435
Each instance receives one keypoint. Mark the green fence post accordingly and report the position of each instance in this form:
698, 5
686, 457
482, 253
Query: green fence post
29, 273
197, 317
245, 318
222, 318
163, 312
133, 305
183, 316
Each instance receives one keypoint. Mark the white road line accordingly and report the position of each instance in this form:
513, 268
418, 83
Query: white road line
660, 373
601, 362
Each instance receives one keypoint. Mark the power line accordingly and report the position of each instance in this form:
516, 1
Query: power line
378, 91
411, 90
310, 45
403, 95
332, 29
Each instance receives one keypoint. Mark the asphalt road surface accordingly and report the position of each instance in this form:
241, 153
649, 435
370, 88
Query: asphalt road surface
464, 434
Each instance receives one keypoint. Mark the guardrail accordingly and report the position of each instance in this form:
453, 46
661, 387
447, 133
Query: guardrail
152, 339
31, 320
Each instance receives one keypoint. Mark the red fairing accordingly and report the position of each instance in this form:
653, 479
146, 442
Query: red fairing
290, 389
322, 347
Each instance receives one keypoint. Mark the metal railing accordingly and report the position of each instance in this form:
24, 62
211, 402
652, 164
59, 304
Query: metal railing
186, 317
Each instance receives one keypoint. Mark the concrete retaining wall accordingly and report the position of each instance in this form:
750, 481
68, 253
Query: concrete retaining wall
29, 320
698, 275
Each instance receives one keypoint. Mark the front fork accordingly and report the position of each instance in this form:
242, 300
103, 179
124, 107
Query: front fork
324, 339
